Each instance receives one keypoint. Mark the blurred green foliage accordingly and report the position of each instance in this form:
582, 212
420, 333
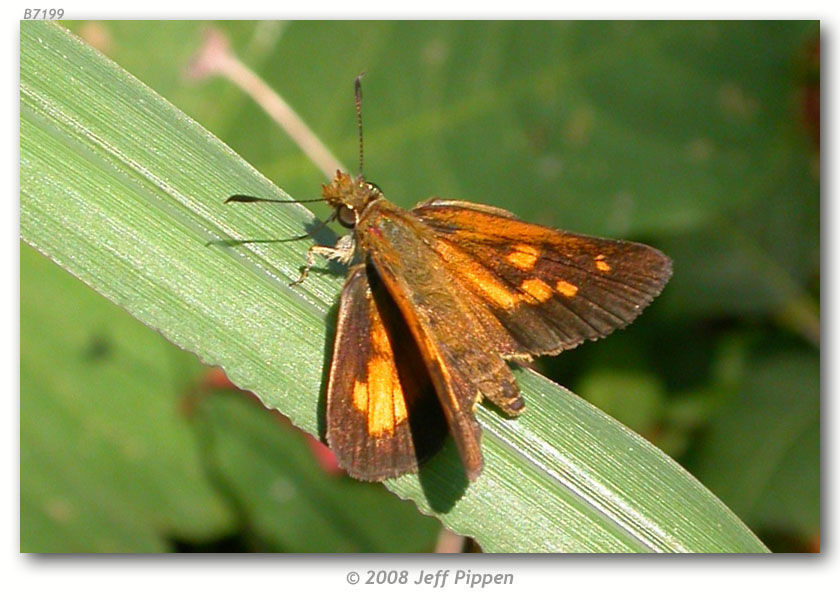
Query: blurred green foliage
698, 137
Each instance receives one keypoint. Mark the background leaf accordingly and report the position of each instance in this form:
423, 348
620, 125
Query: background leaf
609, 132
757, 454
99, 474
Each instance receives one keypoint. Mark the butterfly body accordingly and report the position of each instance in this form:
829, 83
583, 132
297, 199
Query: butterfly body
437, 299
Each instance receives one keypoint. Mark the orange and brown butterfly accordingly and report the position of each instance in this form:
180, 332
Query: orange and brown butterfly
437, 300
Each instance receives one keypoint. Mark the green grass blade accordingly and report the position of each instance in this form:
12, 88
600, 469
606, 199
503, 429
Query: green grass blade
125, 192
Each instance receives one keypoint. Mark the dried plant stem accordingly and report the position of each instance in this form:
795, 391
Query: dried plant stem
216, 58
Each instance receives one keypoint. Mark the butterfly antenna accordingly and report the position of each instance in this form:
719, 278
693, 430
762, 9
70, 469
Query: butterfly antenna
310, 233
357, 86
244, 198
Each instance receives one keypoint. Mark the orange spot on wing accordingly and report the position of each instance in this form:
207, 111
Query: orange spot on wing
523, 256
566, 288
379, 341
537, 290
381, 395
383, 388
479, 279
400, 409
601, 264
360, 396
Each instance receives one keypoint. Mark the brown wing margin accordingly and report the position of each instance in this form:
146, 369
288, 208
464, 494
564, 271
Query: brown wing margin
551, 289
383, 417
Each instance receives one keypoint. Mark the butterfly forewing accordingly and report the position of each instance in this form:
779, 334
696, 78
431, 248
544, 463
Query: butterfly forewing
551, 289
383, 415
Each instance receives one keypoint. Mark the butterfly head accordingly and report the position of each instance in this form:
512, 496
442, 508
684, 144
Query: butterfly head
349, 196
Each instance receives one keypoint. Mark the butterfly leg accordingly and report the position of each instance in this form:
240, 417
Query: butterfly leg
343, 252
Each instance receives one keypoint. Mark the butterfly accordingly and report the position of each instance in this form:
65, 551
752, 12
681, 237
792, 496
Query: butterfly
438, 299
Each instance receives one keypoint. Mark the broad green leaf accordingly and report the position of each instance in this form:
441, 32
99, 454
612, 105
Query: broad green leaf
124, 191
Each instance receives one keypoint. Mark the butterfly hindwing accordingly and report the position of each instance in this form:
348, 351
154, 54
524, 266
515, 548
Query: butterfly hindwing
551, 289
383, 416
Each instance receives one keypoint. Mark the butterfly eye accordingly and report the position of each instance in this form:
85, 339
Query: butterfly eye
347, 217
374, 186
